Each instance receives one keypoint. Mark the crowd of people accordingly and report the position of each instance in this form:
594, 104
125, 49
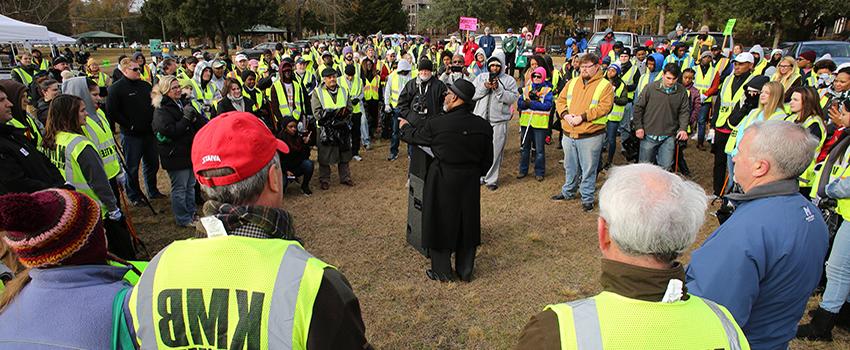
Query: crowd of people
232, 133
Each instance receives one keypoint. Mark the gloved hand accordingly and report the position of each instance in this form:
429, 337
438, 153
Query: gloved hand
388, 108
115, 215
189, 113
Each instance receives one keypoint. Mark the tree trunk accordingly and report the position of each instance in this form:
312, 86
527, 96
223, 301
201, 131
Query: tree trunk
223, 37
662, 11
777, 34
706, 16
298, 23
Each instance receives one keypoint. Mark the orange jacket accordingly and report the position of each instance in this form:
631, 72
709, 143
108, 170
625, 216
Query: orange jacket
582, 95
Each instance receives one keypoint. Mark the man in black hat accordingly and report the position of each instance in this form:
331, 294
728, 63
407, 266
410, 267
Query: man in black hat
462, 147
60, 64
332, 110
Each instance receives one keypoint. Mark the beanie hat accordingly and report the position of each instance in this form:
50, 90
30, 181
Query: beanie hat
541, 71
809, 55
615, 67
347, 50
425, 64
53, 227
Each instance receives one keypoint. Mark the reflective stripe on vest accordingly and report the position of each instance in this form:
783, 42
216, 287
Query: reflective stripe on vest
328, 102
97, 130
703, 80
270, 309
807, 179
617, 111
594, 101
754, 116
728, 99
64, 157
206, 95
30, 130
644, 81
283, 104
353, 88
587, 316
536, 119
26, 77
628, 79
395, 88
370, 89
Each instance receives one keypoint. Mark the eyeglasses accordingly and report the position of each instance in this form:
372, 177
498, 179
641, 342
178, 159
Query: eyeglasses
457, 62
587, 66
536, 76
137, 70
784, 66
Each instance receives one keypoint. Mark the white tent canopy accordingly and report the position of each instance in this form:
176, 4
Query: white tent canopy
57, 38
14, 31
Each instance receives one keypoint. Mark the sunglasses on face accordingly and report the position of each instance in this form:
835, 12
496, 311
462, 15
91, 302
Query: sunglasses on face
137, 70
457, 62
536, 76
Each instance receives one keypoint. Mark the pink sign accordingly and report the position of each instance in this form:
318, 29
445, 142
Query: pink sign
537, 27
469, 23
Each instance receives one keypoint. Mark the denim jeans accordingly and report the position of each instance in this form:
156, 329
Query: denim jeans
364, 129
730, 167
304, 169
658, 152
581, 159
702, 118
611, 138
182, 195
838, 271
538, 136
140, 150
394, 139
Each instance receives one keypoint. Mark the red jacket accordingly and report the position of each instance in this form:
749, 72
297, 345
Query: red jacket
469, 49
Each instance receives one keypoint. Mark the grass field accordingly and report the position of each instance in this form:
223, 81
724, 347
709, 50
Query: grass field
534, 251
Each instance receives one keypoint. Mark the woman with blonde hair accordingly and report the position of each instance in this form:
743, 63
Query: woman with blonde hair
769, 108
787, 75
175, 122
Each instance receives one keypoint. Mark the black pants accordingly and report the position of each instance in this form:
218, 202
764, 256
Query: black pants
719, 161
441, 262
681, 163
355, 133
510, 61
372, 108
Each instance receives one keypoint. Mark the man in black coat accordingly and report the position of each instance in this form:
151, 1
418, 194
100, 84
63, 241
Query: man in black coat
22, 167
462, 145
419, 100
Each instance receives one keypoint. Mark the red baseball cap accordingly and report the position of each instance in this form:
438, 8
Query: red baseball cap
235, 140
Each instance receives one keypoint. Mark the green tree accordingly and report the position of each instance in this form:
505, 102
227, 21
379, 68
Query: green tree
371, 16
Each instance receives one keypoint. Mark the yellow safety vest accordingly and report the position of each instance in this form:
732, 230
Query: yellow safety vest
26, 77
205, 95
838, 171
536, 119
64, 157
395, 88
328, 102
146, 73
98, 131
617, 111
100, 79
644, 81
703, 80
44, 65
235, 75
728, 99
370, 88
30, 130
628, 78
811, 78
594, 101
759, 68
751, 118
613, 322
353, 88
556, 78
282, 103
258, 97
808, 176
183, 300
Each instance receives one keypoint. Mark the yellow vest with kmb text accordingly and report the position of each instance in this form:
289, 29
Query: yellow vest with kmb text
227, 292
614, 322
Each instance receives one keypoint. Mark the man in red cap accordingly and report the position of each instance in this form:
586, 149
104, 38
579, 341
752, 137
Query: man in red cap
805, 62
251, 278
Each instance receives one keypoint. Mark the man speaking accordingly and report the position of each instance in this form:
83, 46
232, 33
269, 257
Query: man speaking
462, 145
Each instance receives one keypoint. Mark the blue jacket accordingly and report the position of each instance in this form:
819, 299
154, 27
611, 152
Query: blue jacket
544, 104
764, 262
488, 44
63, 307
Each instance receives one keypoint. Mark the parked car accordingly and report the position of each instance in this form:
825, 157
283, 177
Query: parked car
256, 51
839, 50
628, 39
555, 49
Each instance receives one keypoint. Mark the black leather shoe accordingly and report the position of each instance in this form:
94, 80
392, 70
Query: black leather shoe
437, 277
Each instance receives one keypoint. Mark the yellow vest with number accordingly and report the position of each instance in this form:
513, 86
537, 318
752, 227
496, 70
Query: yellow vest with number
26, 77
537, 119
614, 322
594, 100
703, 80
370, 88
30, 130
283, 104
64, 157
728, 99
264, 300
98, 132
807, 179
353, 88
618, 111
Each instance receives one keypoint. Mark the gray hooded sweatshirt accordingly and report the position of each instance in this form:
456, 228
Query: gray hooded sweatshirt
495, 105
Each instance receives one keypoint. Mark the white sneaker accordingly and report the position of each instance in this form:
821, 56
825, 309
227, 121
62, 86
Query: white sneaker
358, 158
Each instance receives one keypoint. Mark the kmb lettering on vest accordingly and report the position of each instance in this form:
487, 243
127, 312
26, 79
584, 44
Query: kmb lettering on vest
208, 321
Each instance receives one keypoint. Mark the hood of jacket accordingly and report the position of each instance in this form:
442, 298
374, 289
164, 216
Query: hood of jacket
659, 61
759, 50
199, 70
499, 56
78, 87
14, 90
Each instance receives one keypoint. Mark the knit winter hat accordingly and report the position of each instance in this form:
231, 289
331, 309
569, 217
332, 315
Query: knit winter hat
53, 227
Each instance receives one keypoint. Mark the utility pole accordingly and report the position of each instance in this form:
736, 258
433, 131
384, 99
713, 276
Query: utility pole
162, 23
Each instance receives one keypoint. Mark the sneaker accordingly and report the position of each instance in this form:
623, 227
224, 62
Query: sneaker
560, 161
306, 191
521, 176
587, 207
560, 197
539, 178
357, 157
493, 187
368, 146
392, 157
